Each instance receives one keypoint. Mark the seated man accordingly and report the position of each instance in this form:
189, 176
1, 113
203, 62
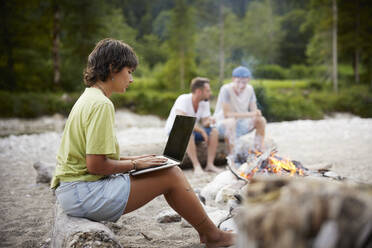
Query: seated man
196, 104
236, 110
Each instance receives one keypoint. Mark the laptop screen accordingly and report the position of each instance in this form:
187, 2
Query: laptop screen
179, 137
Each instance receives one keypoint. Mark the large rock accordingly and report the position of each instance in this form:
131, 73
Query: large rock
226, 196
290, 212
44, 171
223, 179
168, 216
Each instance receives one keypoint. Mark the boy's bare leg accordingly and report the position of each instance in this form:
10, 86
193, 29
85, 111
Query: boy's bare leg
230, 133
260, 126
212, 148
180, 196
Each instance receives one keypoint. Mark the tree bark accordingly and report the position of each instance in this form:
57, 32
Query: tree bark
79, 232
182, 68
9, 44
357, 49
55, 50
222, 43
334, 47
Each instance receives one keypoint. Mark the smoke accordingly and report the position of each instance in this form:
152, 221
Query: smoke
251, 63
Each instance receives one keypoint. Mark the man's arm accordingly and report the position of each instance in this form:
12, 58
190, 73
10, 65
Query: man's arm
197, 128
228, 113
207, 121
253, 108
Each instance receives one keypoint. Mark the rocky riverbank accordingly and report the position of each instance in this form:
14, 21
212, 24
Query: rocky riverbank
26, 208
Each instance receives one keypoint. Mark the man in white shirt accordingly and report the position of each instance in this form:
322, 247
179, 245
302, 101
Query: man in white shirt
196, 104
236, 110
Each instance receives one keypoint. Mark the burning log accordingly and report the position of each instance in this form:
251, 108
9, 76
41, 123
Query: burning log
267, 162
289, 212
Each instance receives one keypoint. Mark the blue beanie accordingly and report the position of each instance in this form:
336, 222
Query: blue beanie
241, 72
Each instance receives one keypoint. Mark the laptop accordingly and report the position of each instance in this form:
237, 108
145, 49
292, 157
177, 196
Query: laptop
176, 146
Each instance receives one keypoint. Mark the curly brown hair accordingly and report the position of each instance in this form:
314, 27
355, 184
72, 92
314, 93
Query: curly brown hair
109, 56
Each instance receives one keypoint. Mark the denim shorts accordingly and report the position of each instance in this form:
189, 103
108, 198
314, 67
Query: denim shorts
198, 137
102, 200
243, 126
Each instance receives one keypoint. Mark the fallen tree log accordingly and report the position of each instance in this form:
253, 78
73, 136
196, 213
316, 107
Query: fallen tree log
202, 151
72, 232
283, 212
243, 145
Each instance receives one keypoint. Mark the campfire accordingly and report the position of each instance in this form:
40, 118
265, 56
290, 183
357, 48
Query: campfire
268, 162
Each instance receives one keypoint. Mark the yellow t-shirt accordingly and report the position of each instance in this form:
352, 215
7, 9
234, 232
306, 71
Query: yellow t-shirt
89, 129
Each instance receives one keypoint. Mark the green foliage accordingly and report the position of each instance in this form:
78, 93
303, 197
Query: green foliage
170, 77
261, 32
299, 71
146, 101
208, 45
292, 106
30, 105
270, 72
278, 100
279, 105
24, 45
356, 100
151, 52
178, 40
180, 68
283, 104
292, 47
319, 19
280, 84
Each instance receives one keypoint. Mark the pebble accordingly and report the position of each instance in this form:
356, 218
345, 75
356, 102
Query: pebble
168, 216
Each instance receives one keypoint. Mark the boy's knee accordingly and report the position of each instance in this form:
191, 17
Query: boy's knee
260, 121
229, 122
263, 121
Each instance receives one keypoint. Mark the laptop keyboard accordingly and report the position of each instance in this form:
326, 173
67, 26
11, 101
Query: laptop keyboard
169, 161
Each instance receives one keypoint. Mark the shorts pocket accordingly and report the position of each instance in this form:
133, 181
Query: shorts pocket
69, 200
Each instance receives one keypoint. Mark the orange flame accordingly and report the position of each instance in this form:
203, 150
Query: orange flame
275, 164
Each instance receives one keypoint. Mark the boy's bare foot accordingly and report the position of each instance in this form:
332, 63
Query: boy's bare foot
212, 168
198, 170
